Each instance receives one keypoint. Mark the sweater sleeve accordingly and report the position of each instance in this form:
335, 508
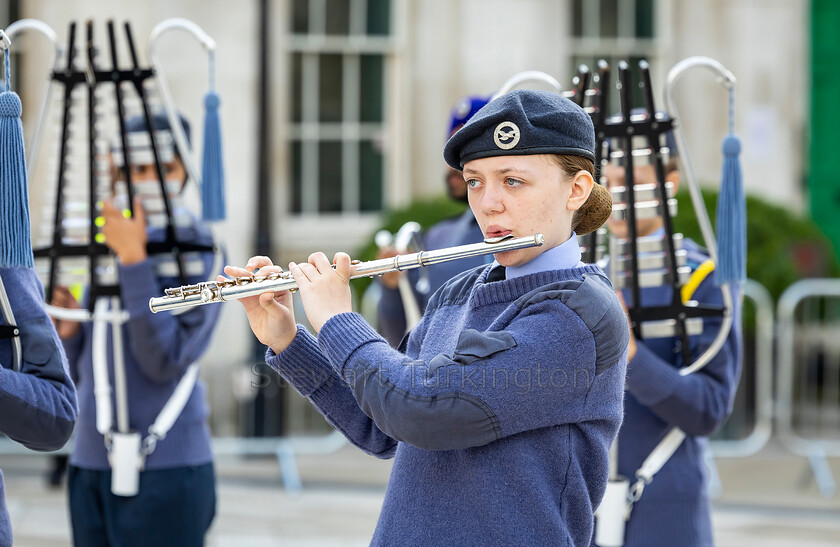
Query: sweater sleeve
38, 404
697, 403
528, 375
73, 349
306, 368
164, 344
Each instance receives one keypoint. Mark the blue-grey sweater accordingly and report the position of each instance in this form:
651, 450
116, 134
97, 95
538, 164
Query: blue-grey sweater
674, 509
499, 413
158, 350
37, 404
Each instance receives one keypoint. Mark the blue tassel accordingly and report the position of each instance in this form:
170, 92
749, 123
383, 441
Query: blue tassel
213, 173
731, 217
15, 245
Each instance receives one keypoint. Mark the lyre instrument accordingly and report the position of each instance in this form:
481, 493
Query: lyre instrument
636, 136
98, 91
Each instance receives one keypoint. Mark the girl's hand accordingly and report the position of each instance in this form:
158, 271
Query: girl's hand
324, 290
270, 315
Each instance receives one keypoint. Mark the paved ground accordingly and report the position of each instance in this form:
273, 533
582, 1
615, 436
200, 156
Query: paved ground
767, 500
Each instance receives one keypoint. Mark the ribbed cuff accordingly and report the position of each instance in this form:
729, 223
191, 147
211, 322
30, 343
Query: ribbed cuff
137, 282
301, 364
342, 335
650, 379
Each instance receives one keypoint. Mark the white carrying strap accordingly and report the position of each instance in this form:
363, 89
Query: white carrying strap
101, 385
614, 511
102, 388
171, 410
9, 318
654, 462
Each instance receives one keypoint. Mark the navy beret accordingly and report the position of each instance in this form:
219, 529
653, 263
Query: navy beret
523, 122
464, 110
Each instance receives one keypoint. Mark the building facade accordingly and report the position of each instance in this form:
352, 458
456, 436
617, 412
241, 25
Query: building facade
360, 92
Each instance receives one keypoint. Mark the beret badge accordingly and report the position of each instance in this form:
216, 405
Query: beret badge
506, 135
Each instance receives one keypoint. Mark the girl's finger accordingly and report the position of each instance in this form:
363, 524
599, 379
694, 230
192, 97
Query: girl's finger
319, 260
300, 277
258, 262
235, 271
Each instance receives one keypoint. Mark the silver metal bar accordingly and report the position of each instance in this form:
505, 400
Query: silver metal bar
651, 279
644, 209
641, 192
646, 244
210, 292
667, 328
651, 262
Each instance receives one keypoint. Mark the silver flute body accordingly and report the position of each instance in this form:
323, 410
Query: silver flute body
241, 287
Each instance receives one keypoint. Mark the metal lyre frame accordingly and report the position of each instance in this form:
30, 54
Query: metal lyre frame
727, 79
651, 126
594, 102
178, 23
64, 74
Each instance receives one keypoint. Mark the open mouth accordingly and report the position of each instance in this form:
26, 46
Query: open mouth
497, 231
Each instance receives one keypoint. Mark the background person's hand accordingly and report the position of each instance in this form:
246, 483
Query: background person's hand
390, 280
270, 315
63, 298
631, 346
125, 236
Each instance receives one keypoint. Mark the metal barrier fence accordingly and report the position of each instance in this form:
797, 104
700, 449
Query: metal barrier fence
286, 449
806, 403
754, 401
760, 413
808, 388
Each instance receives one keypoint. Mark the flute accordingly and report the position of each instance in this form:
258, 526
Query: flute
209, 292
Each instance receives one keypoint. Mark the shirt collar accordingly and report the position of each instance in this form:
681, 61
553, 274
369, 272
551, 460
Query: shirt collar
562, 257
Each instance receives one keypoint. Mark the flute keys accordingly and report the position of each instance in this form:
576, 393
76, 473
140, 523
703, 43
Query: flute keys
208, 292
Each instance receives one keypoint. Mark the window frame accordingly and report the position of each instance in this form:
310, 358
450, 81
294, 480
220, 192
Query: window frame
350, 131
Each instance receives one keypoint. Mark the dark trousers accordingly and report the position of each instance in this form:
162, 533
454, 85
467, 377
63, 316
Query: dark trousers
173, 507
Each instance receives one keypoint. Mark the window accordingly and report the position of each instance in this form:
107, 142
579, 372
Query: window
614, 30
338, 78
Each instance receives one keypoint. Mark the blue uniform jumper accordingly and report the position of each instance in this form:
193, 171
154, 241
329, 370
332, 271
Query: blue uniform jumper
499, 413
37, 404
675, 509
176, 500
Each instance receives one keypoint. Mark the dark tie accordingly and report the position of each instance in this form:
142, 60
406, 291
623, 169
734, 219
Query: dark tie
496, 274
